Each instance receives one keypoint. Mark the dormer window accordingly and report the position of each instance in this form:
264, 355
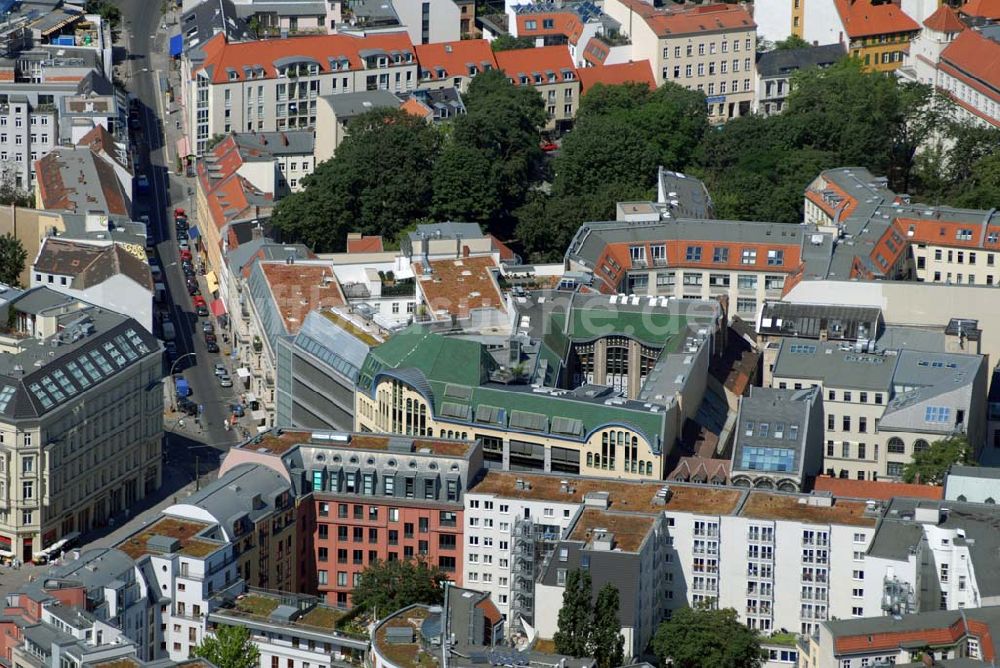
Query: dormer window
233, 76
538, 78
383, 61
524, 80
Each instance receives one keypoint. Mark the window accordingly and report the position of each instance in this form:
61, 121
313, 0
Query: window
858, 575
720, 255
693, 254
944, 572
775, 257
321, 577
749, 256
937, 414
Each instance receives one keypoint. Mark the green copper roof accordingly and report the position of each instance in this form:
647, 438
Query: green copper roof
650, 327
443, 358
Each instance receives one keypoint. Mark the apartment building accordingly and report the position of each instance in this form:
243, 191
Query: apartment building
779, 439
881, 405
273, 85
962, 77
81, 418
274, 162
876, 33
370, 498
91, 178
896, 238
453, 64
745, 262
627, 550
775, 70
335, 112
587, 385
724, 543
550, 71
944, 638
186, 562
710, 48
254, 508
971, 483
294, 630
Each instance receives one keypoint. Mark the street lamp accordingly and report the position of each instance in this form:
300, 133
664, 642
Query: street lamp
173, 395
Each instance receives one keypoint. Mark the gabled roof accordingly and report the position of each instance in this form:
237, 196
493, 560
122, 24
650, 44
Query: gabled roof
88, 264
565, 22
77, 180
785, 61
864, 18
945, 19
234, 61
635, 72
685, 20
984, 9
543, 61
977, 59
443, 60
99, 140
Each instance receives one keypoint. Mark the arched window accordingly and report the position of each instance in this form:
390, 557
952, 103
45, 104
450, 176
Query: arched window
961, 497
989, 499
896, 445
920, 445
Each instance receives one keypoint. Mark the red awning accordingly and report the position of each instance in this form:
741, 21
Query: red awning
183, 147
218, 308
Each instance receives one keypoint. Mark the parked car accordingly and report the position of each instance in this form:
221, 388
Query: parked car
549, 146
225, 381
182, 243
182, 235
198, 301
212, 347
179, 212
193, 289
210, 338
207, 327
202, 311
187, 406
238, 410
186, 255
220, 369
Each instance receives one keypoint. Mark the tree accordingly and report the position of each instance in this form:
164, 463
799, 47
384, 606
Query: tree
376, 183
388, 586
12, 259
791, 42
107, 10
982, 190
930, 466
573, 636
492, 157
607, 645
229, 647
702, 636
508, 42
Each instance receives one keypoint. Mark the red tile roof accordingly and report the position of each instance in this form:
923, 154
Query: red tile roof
541, 60
964, 626
563, 23
370, 244
863, 18
221, 56
415, 107
62, 182
944, 20
986, 9
455, 58
975, 60
878, 490
683, 20
506, 254
634, 72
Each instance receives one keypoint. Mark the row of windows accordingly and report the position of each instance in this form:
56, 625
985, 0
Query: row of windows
959, 256
709, 48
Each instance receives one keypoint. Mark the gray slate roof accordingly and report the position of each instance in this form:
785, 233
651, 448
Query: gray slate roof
783, 62
790, 408
233, 495
348, 105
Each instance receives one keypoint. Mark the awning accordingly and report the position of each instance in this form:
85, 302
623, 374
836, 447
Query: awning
250, 397
192, 233
176, 45
213, 281
218, 308
59, 544
243, 372
259, 415
183, 147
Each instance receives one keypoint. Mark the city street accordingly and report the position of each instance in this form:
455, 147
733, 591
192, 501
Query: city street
192, 447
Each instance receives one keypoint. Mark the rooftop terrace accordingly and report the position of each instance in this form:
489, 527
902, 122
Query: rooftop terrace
404, 655
184, 531
769, 506
456, 287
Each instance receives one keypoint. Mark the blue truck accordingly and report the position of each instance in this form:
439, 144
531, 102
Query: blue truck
182, 388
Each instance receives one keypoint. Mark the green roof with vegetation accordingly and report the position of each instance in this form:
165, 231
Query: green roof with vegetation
455, 372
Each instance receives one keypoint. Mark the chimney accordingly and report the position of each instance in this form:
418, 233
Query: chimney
458, 246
